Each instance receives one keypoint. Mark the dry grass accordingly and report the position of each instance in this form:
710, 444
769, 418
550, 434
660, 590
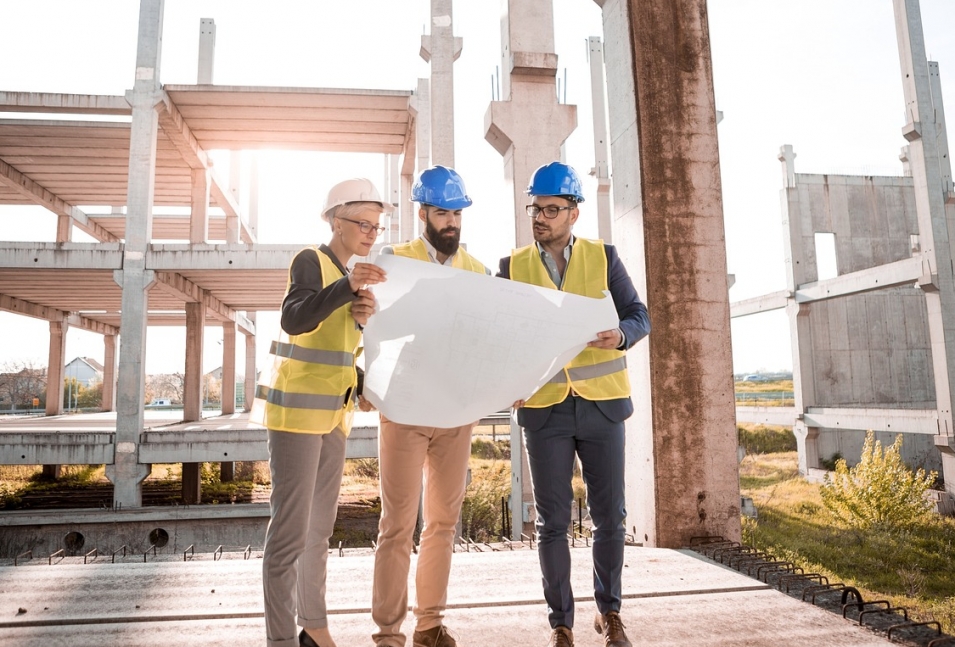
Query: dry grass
761, 387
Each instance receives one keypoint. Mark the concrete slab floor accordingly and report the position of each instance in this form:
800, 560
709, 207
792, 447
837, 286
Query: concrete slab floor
672, 598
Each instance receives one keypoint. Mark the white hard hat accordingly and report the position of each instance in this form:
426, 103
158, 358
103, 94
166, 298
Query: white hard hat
355, 190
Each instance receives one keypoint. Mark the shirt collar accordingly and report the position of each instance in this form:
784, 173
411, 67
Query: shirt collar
433, 253
567, 249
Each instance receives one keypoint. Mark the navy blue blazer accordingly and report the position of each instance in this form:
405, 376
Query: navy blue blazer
634, 322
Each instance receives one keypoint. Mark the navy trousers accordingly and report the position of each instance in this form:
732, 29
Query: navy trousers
577, 427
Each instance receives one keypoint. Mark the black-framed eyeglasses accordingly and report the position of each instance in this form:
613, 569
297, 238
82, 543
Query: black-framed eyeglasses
550, 212
364, 226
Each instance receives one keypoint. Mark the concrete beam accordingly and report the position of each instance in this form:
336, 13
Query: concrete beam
765, 303
907, 421
182, 288
56, 448
29, 309
174, 258
900, 273
98, 104
87, 256
22, 184
782, 416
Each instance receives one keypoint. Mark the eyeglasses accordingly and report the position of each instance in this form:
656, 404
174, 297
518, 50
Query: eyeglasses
364, 226
551, 211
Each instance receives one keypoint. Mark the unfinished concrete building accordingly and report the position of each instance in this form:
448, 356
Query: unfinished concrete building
873, 347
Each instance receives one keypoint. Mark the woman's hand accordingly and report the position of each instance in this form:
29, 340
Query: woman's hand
517, 404
363, 306
365, 274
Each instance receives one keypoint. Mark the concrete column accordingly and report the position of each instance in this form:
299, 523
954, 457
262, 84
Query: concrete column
192, 388
514, 126
406, 210
228, 367
55, 367
253, 223
126, 472
800, 268
441, 49
192, 393
109, 373
207, 51
64, 228
422, 146
663, 131
249, 386
199, 217
391, 194
601, 169
232, 225
921, 131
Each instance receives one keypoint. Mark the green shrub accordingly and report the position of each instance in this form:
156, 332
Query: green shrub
491, 450
829, 464
481, 511
879, 492
764, 439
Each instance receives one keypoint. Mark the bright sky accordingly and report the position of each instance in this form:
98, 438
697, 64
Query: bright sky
822, 75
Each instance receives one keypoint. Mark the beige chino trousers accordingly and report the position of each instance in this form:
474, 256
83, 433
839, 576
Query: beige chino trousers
405, 454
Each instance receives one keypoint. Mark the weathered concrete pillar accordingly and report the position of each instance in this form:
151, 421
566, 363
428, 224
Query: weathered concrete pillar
441, 49
64, 228
109, 373
192, 392
207, 51
422, 102
248, 388
668, 225
199, 215
54, 371
126, 472
406, 209
800, 268
921, 131
528, 127
601, 169
192, 387
228, 367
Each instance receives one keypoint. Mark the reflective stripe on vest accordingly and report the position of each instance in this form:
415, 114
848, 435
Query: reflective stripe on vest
595, 373
417, 249
311, 355
313, 373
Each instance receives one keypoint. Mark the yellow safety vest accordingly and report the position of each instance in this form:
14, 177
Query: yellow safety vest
416, 249
312, 372
595, 373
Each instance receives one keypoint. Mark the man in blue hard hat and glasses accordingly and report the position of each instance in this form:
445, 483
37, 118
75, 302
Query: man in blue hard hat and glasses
580, 412
406, 452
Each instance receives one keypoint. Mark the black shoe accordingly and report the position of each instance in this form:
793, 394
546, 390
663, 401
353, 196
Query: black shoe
305, 640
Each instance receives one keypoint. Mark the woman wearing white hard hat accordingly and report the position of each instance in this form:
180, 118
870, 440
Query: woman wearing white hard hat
307, 407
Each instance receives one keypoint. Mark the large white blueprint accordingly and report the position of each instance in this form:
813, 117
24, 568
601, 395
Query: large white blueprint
447, 347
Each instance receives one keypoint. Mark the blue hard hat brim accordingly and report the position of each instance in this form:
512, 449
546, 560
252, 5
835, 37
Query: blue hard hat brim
453, 204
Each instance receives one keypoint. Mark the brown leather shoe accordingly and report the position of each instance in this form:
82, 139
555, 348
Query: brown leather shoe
610, 626
434, 637
561, 637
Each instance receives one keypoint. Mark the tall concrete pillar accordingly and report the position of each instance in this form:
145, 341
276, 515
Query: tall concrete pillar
126, 472
422, 147
109, 373
601, 169
682, 478
922, 133
207, 51
199, 215
528, 126
406, 209
441, 49
800, 268
248, 388
192, 392
228, 367
54, 368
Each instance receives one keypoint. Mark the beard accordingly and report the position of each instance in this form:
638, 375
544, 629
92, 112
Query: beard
445, 241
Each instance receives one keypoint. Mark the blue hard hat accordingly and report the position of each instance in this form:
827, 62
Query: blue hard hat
442, 187
557, 179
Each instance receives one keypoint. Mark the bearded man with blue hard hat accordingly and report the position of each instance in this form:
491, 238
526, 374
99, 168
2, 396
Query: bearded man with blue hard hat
408, 452
580, 412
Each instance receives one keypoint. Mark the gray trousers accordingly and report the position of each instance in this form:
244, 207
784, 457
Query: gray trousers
306, 479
